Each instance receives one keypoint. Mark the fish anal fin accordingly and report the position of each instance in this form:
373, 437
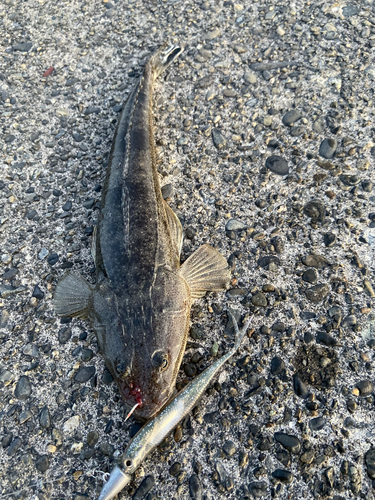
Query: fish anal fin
72, 296
175, 227
206, 270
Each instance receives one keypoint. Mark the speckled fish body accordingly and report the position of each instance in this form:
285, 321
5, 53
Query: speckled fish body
140, 305
153, 433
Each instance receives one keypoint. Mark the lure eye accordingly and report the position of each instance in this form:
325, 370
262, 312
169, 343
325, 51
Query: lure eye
128, 463
160, 360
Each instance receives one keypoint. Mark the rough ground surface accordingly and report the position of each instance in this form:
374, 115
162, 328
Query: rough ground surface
257, 79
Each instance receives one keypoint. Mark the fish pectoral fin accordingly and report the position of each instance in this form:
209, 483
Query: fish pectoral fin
175, 227
72, 296
205, 271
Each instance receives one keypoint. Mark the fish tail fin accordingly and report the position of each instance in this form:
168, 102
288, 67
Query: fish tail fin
72, 296
163, 57
239, 333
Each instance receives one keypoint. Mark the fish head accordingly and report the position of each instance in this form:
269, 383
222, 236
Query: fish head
146, 373
146, 370
143, 342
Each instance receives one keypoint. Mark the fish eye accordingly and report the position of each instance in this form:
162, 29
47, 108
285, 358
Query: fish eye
160, 360
122, 369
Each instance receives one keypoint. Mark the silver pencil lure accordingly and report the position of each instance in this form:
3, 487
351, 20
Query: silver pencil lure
153, 433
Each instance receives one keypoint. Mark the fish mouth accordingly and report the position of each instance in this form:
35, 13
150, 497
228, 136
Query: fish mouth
139, 403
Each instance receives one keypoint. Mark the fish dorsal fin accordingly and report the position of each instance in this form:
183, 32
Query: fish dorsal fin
72, 296
175, 227
206, 270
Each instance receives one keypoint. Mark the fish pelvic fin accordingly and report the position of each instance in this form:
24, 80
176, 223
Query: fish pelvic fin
72, 296
206, 270
164, 57
175, 227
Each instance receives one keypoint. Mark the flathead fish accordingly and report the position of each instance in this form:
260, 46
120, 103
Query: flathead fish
140, 305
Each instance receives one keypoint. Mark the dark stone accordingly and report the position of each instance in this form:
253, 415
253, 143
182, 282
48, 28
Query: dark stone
316, 261
229, 448
107, 377
259, 299
9, 138
190, 232
318, 293
370, 462
300, 388
134, 429
175, 469
316, 211
310, 276
37, 293
15, 445
31, 215
291, 117
284, 476
167, 191
365, 387
328, 148
279, 327
35, 136
23, 47
290, 443
92, 438
78, 137
264, 262
52, 259
5, 442
84, 374
71, 81
88, 203
306, 315
278, 243
329, 239
210, 418
57, 192
350, 10
258, 489
67, 206
218, 139
195, 488
316, 424
42, 463
367, 185
277, 366
326, 339
146, 485
23, 388
190, 369
9, 275
350, 180
277, 165
91, 109
44, 418
297, 131
87, 354
64, 335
